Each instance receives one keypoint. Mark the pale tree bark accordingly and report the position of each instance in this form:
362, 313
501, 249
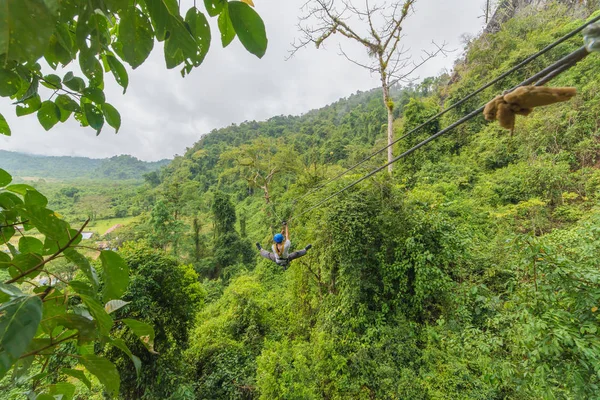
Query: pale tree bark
378, 28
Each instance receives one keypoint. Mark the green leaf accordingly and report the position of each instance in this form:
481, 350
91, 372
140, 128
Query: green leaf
26, 29
136, 37
143, 331
105, 371
29, 106
52, 82
20, 188
113, 118
32, 90
19, 320
48, 114
160, 12
55, 308
118, 71
10, 83
33, 198
214, 7
94, 116
82, 262
9, 292
29, 244
104, 321
5, 179
4, 128
84, 326
198, 26
225, 26
65, 390
249, 27
94, 94
73, 82
114, 305
82, 288
78, 374
180, 45
115, 275
67, 103
91, 68
137, 363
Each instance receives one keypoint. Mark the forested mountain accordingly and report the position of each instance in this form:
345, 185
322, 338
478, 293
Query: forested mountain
67, 168
471, 272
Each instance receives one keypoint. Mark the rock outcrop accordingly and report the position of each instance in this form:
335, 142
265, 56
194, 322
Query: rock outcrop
508, 9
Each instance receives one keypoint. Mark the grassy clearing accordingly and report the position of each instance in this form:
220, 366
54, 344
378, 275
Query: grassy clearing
101, 226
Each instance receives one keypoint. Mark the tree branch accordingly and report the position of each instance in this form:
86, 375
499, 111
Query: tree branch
52, 257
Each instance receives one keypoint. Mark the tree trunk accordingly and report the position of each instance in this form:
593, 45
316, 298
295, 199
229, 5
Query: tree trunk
389, 106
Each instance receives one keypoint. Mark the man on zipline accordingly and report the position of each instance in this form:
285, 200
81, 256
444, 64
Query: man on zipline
281, 251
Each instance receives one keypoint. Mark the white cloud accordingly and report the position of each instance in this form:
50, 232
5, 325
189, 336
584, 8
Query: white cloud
163, 113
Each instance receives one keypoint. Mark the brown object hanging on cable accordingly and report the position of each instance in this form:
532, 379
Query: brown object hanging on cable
522, 101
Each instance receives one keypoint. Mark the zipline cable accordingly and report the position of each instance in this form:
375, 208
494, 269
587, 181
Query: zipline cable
453, 106
540, 78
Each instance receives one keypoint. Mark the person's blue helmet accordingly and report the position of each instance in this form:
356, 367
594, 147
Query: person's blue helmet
278, 238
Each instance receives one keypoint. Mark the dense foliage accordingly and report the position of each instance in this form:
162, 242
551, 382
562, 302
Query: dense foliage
99, 35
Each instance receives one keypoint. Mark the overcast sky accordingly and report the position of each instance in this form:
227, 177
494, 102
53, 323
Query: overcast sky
163, 113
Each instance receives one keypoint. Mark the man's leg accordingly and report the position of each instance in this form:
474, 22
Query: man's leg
267, 255
297, 254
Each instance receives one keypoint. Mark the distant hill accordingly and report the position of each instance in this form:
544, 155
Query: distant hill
121, 167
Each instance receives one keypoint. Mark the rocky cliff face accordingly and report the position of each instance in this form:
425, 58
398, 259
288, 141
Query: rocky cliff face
507, 9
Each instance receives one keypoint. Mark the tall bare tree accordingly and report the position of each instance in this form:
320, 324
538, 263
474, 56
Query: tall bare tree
378, 28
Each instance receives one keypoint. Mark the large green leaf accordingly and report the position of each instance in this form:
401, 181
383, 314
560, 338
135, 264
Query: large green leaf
55, 308
8, 292
115, 275
67, 103
225, 26
112, 116
82, 262
5, 178
93, 116
29, 244
10, 83
214, 7
180, 45
249, 27
78, 374
33, 198
73, 82
143, 331
4, 128
91, 68
105, 371
136, 37
118, 71
29, 106
160, 12
48, 115
26, 29
104, 321
62, 391
19, 320
85, 326
198, 26
94, 94
137, 363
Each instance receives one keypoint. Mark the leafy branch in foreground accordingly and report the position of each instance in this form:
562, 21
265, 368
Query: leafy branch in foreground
99, 35
41, 312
